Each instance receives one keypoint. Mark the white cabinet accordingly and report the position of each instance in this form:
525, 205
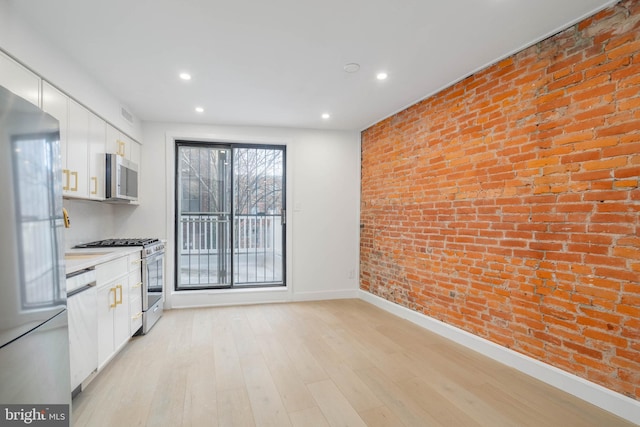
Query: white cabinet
83, 338
75, 158
74, 131
96, 161
56, 103
19, 80
135, 292
82, 145
84, 137
113, 308
121, 144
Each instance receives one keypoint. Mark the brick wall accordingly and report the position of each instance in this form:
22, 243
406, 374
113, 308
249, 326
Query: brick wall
508, 204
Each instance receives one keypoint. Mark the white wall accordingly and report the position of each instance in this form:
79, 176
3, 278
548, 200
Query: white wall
323, 202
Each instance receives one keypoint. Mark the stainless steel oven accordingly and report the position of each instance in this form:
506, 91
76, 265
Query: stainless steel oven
152, 284
152, 274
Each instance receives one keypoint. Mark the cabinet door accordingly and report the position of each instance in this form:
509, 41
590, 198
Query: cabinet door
121, 144
107, 303
121, 316
83, 335
97, 146
19, 80
77, 149
115, 142
56, 103
134, 153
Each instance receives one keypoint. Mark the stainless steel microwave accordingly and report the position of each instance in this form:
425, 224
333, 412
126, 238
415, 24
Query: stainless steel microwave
122, 179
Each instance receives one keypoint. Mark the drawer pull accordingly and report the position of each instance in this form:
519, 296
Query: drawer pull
137, 285
137, 316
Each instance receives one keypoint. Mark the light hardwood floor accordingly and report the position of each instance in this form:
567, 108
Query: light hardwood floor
328, 363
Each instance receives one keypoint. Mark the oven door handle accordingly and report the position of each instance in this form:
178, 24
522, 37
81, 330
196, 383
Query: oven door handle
152, 258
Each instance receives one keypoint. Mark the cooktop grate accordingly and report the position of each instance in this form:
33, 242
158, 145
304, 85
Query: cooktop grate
118, 242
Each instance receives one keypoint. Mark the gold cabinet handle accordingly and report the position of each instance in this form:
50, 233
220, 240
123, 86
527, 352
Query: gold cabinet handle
66, 173
136, 261
95, 185
121, 148
75, 175
137, 316
114, 298
120, 300
137, 285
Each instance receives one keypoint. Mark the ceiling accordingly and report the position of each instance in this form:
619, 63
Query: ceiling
280, 62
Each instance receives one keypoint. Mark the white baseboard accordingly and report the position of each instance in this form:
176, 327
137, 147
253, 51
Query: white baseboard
216, 298
593, 393
325, 295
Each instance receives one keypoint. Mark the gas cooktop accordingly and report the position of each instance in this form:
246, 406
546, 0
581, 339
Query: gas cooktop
118, 242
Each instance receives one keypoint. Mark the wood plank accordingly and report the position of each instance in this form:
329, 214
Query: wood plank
399, 401
290, 385
234, 408
380, 416
334, 406
311, 417
266, 404
356, 392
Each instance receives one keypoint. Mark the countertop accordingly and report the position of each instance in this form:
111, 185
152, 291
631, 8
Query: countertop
83, 258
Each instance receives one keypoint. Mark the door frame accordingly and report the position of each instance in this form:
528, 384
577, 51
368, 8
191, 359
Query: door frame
230, 145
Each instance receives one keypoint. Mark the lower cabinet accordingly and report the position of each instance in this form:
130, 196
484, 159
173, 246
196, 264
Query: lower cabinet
113, 308
83, 340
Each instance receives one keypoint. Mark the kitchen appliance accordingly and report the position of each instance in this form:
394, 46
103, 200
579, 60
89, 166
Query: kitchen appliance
34, 341
121, 179
152, 274
82, 306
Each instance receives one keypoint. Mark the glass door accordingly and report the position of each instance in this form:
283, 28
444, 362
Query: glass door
203, 216
258, 215
230, 219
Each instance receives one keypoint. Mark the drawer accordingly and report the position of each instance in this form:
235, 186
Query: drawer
135, 285
135, 314
111, 270
135, 262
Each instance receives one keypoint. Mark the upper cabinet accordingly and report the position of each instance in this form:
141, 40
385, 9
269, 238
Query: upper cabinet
19, 80
121, 144
74, 131
56, 103
84, 137
77, 151
97, 148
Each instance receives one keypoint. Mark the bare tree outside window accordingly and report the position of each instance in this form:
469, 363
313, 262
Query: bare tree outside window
258, 181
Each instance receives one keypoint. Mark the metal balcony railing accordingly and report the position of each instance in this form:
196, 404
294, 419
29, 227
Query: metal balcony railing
205, 248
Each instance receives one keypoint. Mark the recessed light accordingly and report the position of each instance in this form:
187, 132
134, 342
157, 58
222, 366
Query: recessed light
351, 67
199, 110
325, 116
381, 76
185, 76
